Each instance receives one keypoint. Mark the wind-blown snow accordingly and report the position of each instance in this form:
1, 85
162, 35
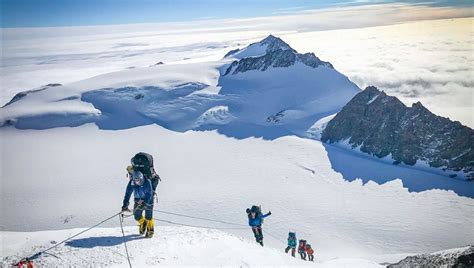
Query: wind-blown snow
373, 99
254, 50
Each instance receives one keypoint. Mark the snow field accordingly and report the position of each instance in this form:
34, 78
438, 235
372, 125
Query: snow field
209, 175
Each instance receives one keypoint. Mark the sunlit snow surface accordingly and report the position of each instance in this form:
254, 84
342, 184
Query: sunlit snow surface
79, 174
170, 247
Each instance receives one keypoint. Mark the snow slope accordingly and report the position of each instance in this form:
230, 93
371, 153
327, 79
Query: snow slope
209, 175
172, 246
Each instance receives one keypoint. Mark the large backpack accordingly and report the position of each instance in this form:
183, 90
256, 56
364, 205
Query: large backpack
143, 162
256, 209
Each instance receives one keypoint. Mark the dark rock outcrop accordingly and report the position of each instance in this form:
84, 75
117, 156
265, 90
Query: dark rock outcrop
458, 258
277, 54
23, 94
382, 125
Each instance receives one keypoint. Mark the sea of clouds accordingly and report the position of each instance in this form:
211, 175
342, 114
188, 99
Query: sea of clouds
415, 52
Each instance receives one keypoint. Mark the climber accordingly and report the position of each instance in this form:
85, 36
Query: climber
142, 190
291, 243
302, 249
310, 252
255, 221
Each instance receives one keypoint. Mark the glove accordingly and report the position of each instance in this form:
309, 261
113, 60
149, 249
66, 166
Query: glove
125, 209
269, 213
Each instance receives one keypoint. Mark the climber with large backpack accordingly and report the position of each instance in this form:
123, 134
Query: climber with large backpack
255, 221
291, 243
143, 183
142, 190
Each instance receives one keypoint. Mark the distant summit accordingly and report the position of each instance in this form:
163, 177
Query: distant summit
270, 52
266, 45
381, 125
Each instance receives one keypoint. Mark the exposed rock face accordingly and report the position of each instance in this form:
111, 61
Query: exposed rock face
382, 125
277, 54
23, 94
456, 258
269, 44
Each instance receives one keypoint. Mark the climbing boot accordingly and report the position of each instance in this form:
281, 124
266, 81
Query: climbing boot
150, 229
142, 225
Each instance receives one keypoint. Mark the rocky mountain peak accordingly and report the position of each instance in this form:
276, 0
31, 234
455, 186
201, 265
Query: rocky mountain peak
371, 90
270, 52
267, 45
274, 43
418, 107
382, 125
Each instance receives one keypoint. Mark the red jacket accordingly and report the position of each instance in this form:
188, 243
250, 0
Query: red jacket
310, 251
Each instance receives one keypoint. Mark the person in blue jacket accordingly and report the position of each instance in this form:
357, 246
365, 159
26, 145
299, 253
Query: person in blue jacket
255, 221
143, 196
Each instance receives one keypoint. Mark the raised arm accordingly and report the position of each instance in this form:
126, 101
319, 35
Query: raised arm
266, 215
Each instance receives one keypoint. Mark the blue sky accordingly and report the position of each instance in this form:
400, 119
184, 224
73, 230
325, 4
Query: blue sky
41, 13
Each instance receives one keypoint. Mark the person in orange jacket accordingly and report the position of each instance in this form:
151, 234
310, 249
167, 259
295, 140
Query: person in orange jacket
310, 252
302, 249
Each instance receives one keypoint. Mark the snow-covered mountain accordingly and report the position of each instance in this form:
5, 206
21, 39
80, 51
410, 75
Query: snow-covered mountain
266, 89
381, 125
264, 80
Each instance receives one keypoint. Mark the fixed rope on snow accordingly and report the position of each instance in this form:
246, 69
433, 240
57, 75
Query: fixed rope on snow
38, 254
121, 215
200, 226
125, 241
274, 236
198, 218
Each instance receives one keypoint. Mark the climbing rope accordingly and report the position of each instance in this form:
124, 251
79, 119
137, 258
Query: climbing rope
198, 218
200, 226
210, 220
125, 241
121, 219
36, 255
274, 236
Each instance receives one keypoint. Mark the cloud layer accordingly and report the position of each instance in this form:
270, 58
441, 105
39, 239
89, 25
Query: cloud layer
429, 61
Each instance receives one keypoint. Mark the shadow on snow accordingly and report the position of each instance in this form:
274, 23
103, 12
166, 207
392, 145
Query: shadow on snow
354, 165
101, 241
181, 108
